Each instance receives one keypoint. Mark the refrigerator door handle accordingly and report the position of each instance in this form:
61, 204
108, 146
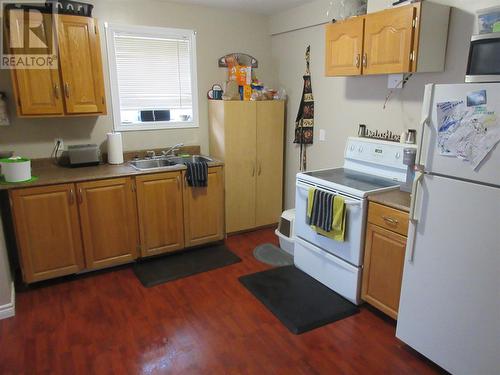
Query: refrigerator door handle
418, 176
425, 121
410, 245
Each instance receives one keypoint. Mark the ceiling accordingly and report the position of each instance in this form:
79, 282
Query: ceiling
266, 7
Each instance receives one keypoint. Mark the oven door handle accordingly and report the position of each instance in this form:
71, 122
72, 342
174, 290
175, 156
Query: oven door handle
348, 202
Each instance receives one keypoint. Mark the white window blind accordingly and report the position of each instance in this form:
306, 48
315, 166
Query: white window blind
153, 73
152, 69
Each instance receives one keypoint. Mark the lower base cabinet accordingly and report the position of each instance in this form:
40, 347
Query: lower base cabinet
204, 210
108, 218
48, 231
159, 199
64, 229
384, 258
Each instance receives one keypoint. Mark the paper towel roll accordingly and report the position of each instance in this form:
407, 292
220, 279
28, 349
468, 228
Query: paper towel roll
115, 148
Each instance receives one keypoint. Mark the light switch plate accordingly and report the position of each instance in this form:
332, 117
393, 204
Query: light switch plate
322, 135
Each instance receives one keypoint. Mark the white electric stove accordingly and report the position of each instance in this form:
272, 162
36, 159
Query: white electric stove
370, 166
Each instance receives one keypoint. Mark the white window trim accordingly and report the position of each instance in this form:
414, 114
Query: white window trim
163, 32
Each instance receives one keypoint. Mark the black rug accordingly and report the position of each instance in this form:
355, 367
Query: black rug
156, 271
300, 302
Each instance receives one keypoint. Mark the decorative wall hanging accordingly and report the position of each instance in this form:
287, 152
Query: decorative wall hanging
304, 124
239, 58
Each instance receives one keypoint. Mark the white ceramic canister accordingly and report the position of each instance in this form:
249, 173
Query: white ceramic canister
16, 169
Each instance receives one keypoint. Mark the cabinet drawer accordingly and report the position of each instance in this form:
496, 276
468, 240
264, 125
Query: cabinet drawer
388, 218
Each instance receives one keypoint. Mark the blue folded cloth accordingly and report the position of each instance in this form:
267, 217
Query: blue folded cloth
197, 174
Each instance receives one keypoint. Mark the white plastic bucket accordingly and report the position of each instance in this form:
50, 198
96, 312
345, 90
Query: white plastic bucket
16, 169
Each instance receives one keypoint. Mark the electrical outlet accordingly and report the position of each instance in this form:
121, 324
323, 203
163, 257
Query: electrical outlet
395, 81
61, 143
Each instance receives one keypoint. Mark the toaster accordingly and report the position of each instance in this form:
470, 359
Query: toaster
83, 155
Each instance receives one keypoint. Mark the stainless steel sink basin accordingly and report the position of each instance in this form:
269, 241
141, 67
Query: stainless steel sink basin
166, 162
189, 159
146, 164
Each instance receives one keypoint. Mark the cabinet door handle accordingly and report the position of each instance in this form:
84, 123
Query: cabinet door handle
358, 58
71, 197
260, 168
365, 59
66, 89
80, 196
390, 220
253, 171
178, 182
56, 91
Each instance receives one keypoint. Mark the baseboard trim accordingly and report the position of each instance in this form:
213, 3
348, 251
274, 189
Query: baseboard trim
9, 310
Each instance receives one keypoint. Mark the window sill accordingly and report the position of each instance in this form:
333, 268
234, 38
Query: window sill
156, 126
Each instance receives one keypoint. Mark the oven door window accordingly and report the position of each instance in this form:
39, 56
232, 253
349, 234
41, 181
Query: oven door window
484, 57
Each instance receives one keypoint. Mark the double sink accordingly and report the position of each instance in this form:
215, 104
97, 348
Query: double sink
164, 162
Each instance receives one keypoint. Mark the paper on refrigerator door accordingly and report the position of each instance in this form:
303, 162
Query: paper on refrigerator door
467, 133
449, 116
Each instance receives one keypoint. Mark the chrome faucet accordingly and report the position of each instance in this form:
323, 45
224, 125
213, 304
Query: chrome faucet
171, 151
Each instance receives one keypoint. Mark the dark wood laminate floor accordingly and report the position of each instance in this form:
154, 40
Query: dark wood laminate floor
205, 324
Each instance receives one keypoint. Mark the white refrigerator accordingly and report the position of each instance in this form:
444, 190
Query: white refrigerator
450, 299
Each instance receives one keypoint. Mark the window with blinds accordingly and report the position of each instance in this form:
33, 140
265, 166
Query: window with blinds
153, 77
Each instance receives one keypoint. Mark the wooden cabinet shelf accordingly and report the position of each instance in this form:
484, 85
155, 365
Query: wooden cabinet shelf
75, 87
405, 39
64, 229
384, 258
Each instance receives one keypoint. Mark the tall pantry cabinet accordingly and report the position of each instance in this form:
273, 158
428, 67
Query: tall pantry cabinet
249, 137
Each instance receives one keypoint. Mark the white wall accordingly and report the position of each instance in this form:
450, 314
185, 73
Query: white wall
343, 103
219, 32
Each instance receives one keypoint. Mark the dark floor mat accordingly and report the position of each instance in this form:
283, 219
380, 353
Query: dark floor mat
300, 302
156, 271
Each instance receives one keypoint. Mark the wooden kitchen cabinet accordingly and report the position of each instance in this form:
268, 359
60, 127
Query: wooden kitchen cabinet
76, 86
385, 248
108, 218
204, 210
47, 231
344, 46
248, 136
38, 91
404, 39
160, 207
64, 229
80, 64
269, 174
389, 39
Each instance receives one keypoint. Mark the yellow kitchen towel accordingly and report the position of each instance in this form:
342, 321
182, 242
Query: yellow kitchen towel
339, 217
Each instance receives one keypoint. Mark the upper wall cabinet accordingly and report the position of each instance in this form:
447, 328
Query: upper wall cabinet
344, 46
80, 64
405, 39
389, 41
76, 86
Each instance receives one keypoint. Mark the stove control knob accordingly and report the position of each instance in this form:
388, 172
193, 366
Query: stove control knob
398, 155
351, 148
360, 149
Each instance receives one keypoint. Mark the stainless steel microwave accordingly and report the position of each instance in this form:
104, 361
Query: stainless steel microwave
484, 58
